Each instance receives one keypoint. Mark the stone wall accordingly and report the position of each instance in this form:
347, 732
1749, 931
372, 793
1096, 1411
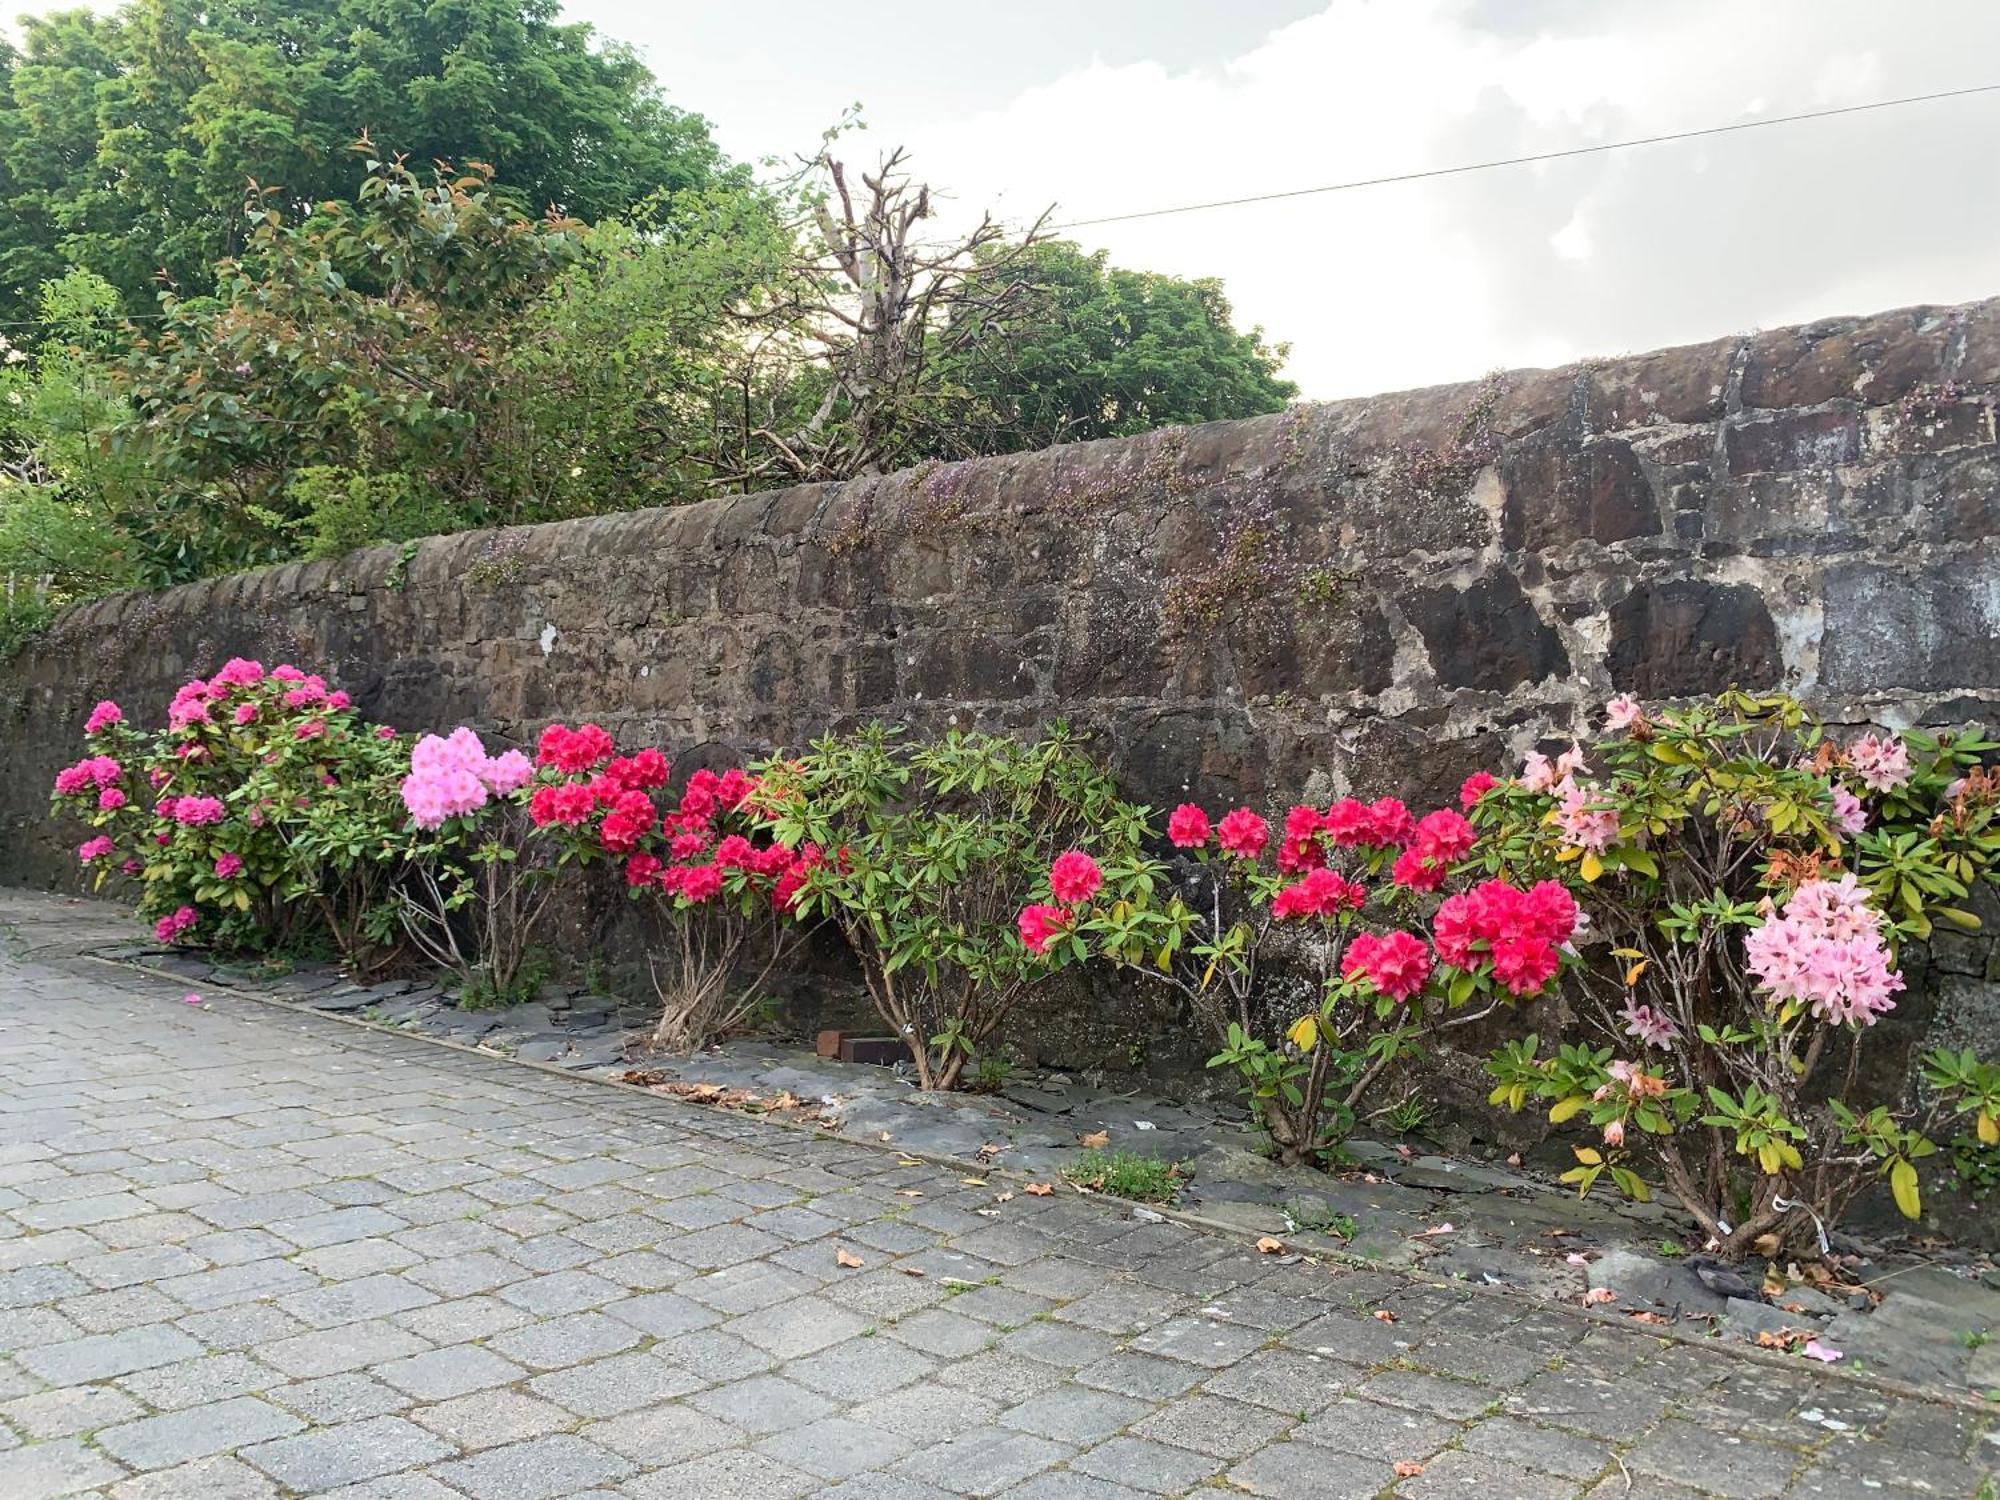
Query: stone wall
1375, 595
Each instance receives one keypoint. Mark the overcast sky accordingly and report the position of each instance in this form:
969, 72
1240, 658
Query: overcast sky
1109, 106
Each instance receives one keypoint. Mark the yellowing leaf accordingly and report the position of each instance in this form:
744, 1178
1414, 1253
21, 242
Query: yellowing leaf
1988, 1128
1587, 1155
1591, 868
1038, 1190
1097, 1140
1903, 1186
1304, 1033
1565, 1109
973, 1181
1632, 974
847, 1260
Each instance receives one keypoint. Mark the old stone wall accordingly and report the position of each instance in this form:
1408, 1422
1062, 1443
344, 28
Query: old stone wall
1376, 595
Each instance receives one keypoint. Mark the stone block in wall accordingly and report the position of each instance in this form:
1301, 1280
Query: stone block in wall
1686, 636
1559, 490
1875, 359
1792, 440
1926, 623
1685, 385
1485, 635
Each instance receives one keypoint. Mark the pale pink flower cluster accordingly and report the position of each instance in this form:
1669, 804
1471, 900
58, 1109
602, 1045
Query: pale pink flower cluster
1623, 712
1540, 774
1645, 1024
453, 775
1882, 764
1585, 825
1848, 811
1826, 950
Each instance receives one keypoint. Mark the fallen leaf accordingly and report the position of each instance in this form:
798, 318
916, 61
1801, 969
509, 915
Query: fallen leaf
1444, 1228
912, 1270
908, 1161
1514, 1159
1383, 1315
1038, 1190
1775, 1338
846, 1259
1814, 1349
972, 1181
1575, 1259
1407, 1468
1097, 1140
909, 1193
1269, 1246
885, 1136
1598, 1295
1643, 1315
1002, 1198
1405, 1152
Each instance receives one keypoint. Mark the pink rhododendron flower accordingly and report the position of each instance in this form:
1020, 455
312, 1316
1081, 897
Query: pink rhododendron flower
246, 713
93, 849
385, 732
110, 799
570, 803
1350, 822
1882, 764
228, 866
1187, 827
1416, 871
1074, 877
312, 729
1395, 963
131, 867
1393, 822
1300, 848
1848, 811
239, 672
198, 812
1538, 772
1475, 786
1826, 950
1647, 1025
338, 701
1623, 712
1243, 833
1041, 925
103, 717
1321, 894
1585, 825
642, 869
173, 925
288, 673
573, 751
1520, 932
701, 882
687, 846
1443, 835
1614, 1132
507, 773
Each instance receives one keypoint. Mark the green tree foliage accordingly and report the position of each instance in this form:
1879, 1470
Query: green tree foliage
1096, 351
127, 141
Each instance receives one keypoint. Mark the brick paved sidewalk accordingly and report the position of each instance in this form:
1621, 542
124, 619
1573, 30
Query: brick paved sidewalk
247, 1253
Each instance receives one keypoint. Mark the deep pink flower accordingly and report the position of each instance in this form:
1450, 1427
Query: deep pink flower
228, 866
93, 849
1443, 836
1187, 827
312, 729
1475, 786
1415, 871
1074, 877
1396, 963
1041, 925
641, 869
1321, 894
103, 717
1242, 833
110, 799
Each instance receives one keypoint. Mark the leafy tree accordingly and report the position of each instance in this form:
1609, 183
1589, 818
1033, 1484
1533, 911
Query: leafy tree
127, 141
1097, 351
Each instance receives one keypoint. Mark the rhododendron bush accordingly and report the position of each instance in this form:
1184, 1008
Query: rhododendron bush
931, 851
724, 891
1749, 880
1322, 953
251, 820
479, 885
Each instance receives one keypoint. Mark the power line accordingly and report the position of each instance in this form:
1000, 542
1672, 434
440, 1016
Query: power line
1521, 161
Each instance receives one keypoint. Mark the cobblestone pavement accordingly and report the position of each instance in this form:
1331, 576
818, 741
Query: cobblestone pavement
246, 1252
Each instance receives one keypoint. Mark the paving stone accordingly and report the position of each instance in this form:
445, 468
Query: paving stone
735, 1475
1149, 1467
1736, 1467
1200, 1341
1457, 1473
68, 1411
790, 1330
663, 1434
219, 1427
333, 1351
439, 1374
983, 1461
1073, 1416
1144, 1375
486, 1419
764, 1404
332, 1399
622, 1383
328, 1457
100, 1356
930, 1413
355, 1301
571, 1340
43, 1471
941, 1333
539, 1469
218, 1477
860, 1369
835, 1447
1431, 1393
1544, 1449
1364, 1428
1301, 1471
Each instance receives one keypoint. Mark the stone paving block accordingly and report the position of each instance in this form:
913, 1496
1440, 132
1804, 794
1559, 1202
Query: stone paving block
942, 1333
1149, 1467
1006, 1378
355, 1258
1068, 1485
68, 1411
196, 1432
735, 1475
543, 1468
219, 1477
929, 1413
664, 1315
240, 1327
333, 1351
764, 1404
1145, 1375
354, 1301
1599, 1408
100, 1356
880, 1487
712, 1354
464, 1274
1428, 1393
663, 1435
1737, 1467
860, 1369
572, 1340
214, 1377
332, 1399
791, 1330
1458, 1473
1387, 1432
439, 1374
622, 1383
1200, 1341
1285, 1380
462, 1320
835, 1447
43, 1471
1301, 1471
486, 1419
1544, 1449
328, 1457
1061, 1344
983, 1461
115, 1312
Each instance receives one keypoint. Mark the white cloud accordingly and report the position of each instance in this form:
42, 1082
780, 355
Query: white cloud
1413, 283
